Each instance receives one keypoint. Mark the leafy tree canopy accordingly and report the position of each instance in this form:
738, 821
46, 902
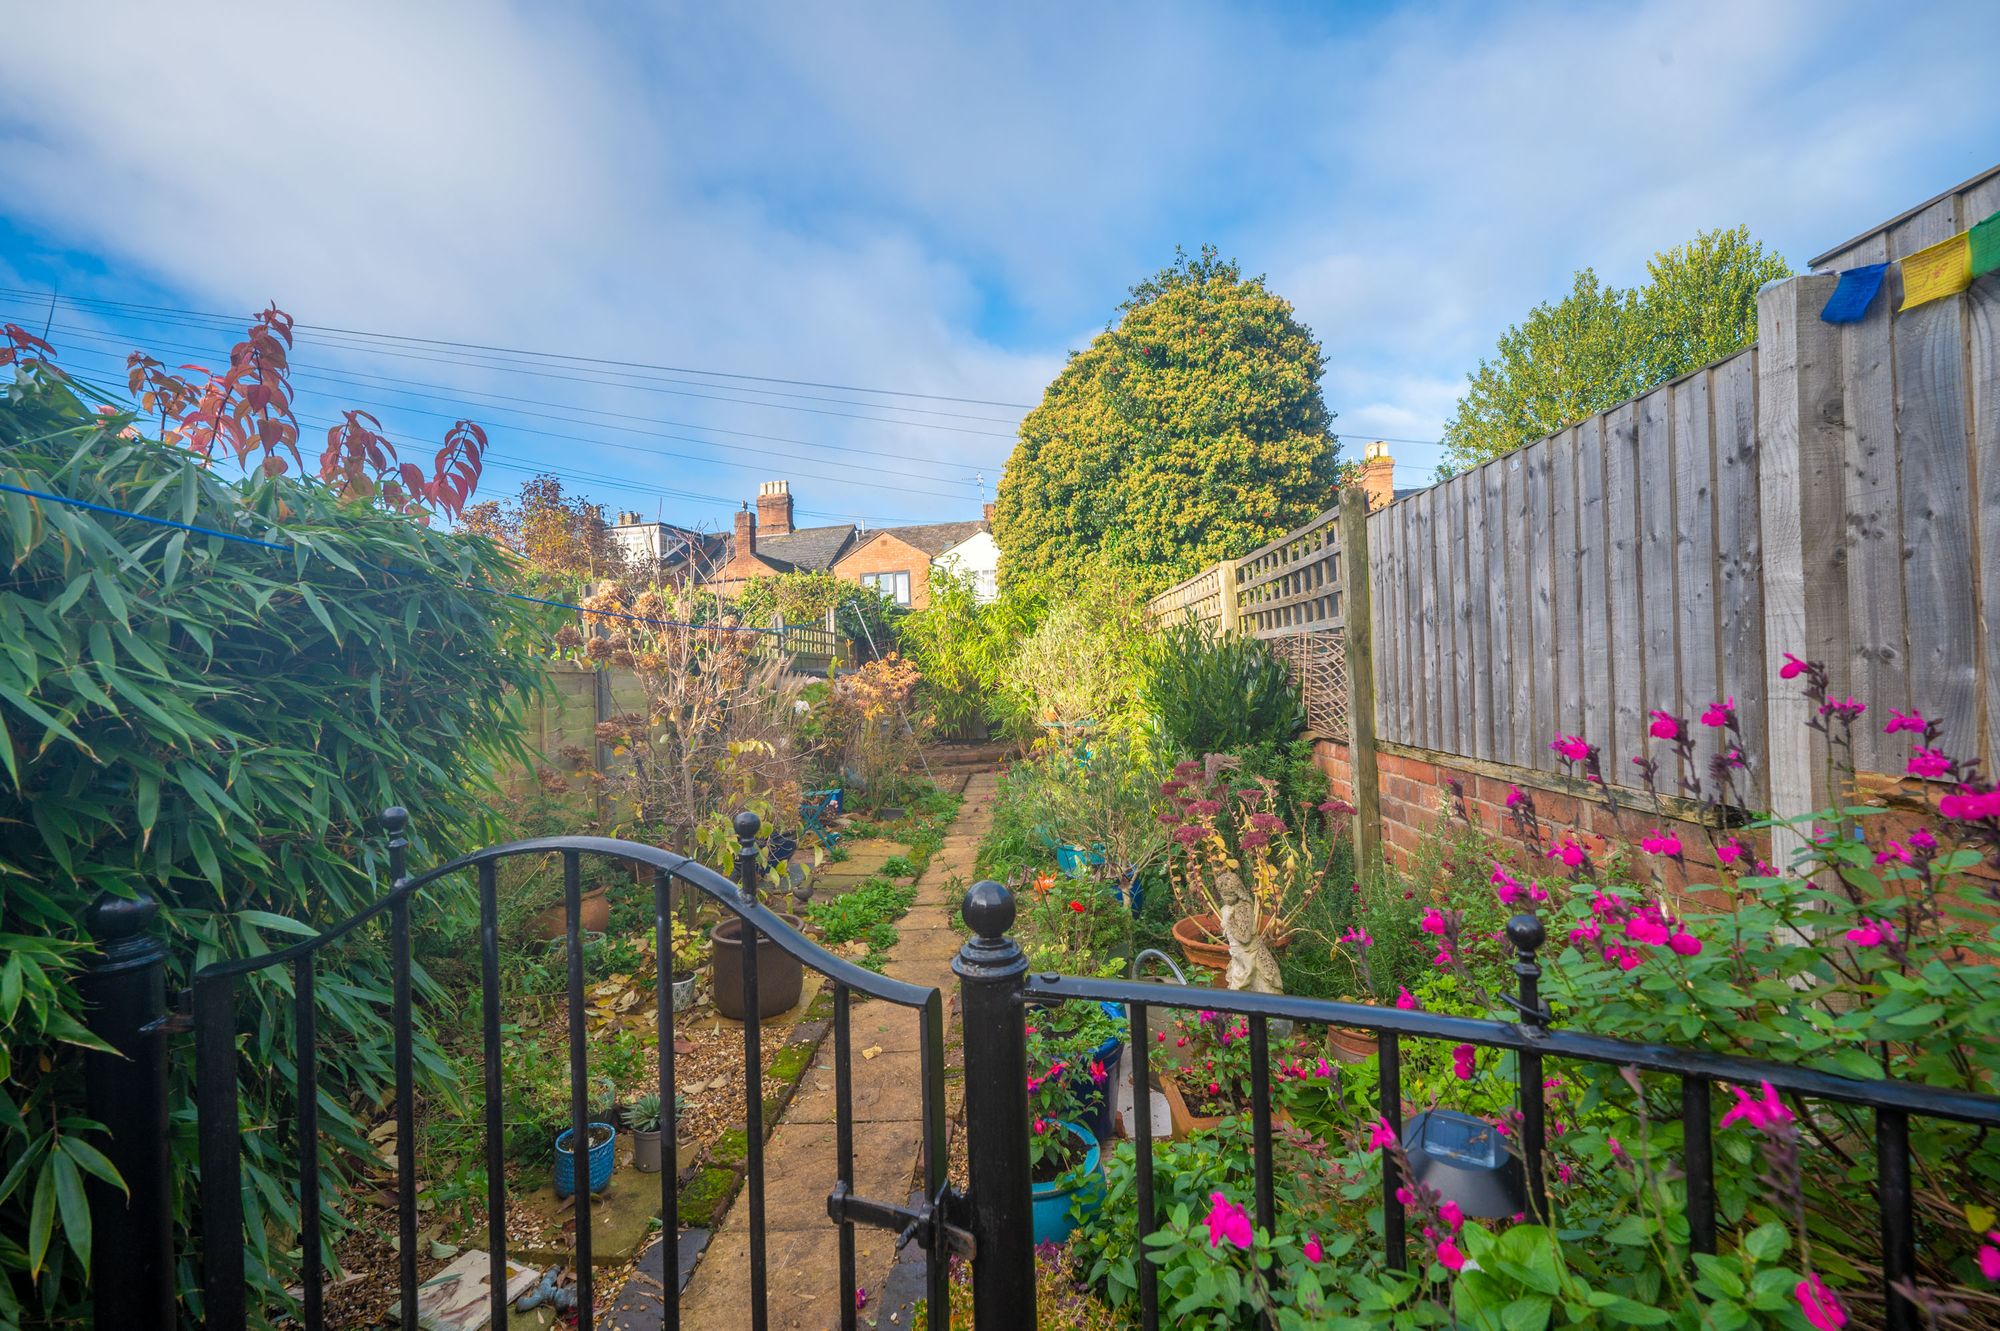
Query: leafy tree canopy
1599, 346
560, 536
1190, 430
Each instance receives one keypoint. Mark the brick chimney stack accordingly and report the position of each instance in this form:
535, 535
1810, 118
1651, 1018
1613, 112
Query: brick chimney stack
774, 507
746, 531
986, 512
1378, 474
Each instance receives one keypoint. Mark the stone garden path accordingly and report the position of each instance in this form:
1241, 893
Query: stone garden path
802, 1254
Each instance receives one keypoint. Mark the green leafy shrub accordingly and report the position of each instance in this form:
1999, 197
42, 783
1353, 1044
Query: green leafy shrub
1214, 692
217, 724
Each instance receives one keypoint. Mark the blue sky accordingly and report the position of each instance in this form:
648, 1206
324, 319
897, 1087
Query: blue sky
932, 199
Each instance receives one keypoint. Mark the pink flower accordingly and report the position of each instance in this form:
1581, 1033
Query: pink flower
1563, 1172
1571, 854
1215, 1088
1893, 853
1817, 1302
1792, 668
1685, 944
1314, 1250
1571, 748
1514, 796
1358, 936
1227, 1223
1717, 714
1731, 851
860, 1296
1097, 1072
1872, 933
1464, 1063
1764, 1113
1913, 722
1405, 999
1970, 805
1452, 1215
1989, 1256
1505, 886
1443, 957
1323, 1070
1650, 932
1928, 763
1628, 961
1450, 1256
1661, 843
1433, 922
1664, 726
1921, 839
1041, 1125
1381, 1136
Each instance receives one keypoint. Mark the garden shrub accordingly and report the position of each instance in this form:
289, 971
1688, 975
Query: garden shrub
964, 650
1215, 692
1081, 665
804, 596
218, 724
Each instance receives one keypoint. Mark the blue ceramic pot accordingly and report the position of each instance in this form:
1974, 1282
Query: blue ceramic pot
1094, 1101
1052, 1201
602, 1159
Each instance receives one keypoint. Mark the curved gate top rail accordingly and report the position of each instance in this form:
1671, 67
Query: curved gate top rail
223, 1263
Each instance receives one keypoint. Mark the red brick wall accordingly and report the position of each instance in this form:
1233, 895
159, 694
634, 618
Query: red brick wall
885, 553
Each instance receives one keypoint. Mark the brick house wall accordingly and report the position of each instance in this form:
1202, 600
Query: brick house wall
884, 552
743, 563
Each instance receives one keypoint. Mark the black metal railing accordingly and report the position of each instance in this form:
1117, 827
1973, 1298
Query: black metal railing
997, 986
138, 1006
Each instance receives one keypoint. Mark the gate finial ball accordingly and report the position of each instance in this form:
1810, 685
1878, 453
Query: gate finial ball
989, 909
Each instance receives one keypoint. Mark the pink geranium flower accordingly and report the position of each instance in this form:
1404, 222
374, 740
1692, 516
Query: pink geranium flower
1227, 1223
1819, 1304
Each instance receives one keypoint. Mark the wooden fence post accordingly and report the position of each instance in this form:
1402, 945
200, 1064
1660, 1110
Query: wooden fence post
1358, 640
1225, 597
1800, 419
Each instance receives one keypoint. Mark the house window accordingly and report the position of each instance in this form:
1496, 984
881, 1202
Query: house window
895, 586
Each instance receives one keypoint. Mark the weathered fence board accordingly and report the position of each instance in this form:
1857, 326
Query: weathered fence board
1593, 568
1739, 548
1628, 671
1538, 560
1492, 482
1697, 668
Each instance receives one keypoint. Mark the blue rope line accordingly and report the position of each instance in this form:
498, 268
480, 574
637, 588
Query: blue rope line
106, 509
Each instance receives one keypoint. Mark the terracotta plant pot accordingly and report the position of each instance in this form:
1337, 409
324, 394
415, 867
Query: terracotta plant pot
1200, 937
780, 975
594, 915
1351, 1045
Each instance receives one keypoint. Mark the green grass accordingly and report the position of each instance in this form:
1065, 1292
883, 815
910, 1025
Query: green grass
868, 914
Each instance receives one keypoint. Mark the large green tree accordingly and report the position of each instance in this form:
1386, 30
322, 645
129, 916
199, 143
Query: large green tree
1599, 346
1190, 430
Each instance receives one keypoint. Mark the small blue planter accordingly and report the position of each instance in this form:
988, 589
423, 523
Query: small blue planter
1053, 1221
602, 1159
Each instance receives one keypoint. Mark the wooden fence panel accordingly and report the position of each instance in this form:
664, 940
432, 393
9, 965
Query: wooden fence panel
1594, 585
1694, 562
1537, 563
1622, 478
1567, 656
1479, 557
1492, 481
1520, 597
1983, 347
1656, 567
1740, 555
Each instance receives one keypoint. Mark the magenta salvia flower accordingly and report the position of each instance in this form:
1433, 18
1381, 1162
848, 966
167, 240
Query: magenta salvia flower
1847, 709
1912, 722
1685, 944
1717, 715
1660, 843
1665, 726
1765, 1113
1731, 851
1452, 1214
1569, 853
1819, 1304
1989, 1256
1505, 886
1893, 853
1922, 840
1450, 1257
1433, 922
1227, 1223
1381, 1136
1970, 805
1651, 932
1514, 796
1405, 999
1872, 933
1928, 763
1571, 747
1464, 1063
1314, 1250
1358, 936
1792, 668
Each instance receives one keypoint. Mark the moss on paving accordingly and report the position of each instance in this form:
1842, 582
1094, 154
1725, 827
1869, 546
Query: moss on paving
731, 1148
705, 1196
791, 1062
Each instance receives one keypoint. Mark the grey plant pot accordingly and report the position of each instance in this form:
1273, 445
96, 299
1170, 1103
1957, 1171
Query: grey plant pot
684, 993
646, 1151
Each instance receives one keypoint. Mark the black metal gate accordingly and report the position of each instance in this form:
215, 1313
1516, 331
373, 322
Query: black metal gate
147, 1305
990, 1223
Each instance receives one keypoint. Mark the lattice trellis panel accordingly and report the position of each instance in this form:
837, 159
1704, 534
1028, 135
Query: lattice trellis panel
1318, 663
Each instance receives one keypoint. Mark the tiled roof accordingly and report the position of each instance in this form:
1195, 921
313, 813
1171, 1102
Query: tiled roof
934, 538
811, 548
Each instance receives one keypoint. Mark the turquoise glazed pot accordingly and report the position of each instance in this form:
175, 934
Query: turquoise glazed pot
1052, 1200
602, 1158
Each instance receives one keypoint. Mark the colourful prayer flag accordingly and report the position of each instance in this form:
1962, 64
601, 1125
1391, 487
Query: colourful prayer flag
1943, 269
1985, 245
1850, 300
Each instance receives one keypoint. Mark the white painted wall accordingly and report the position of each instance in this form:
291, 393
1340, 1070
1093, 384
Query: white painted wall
978, 556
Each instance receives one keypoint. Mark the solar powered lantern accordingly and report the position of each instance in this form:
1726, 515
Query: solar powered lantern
1465, 1160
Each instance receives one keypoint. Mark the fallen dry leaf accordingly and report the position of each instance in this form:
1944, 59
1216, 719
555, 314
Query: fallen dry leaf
871, 1051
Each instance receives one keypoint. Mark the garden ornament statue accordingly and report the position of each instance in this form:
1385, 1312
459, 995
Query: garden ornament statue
1251, 965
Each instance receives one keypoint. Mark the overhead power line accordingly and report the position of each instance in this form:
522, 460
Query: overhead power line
545, 355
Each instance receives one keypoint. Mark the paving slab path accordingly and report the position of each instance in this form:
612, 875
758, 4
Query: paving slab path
801, 1246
